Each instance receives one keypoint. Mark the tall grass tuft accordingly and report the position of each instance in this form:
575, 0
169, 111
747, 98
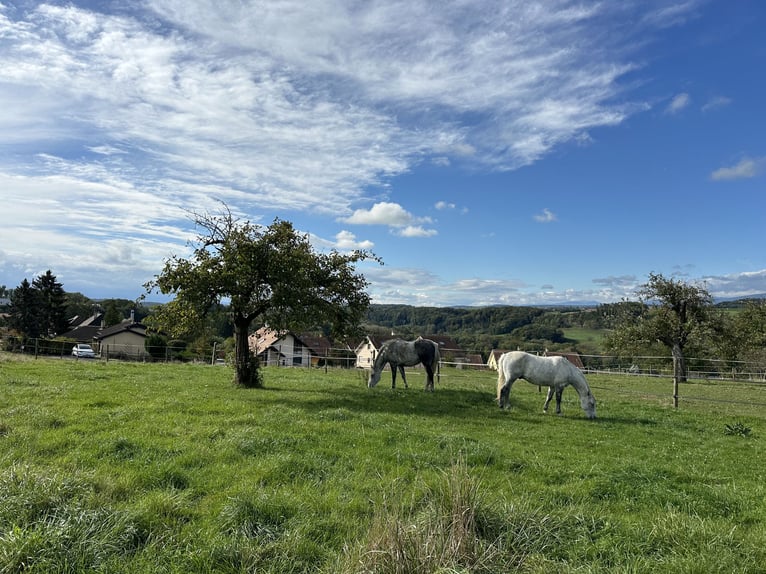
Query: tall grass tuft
443, 532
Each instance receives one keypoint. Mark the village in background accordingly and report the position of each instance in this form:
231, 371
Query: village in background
468, 337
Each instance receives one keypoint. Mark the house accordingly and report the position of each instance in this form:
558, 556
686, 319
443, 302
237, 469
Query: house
326, 351
85, 330
367, 350
126, 340
288, 349
494, 357
469, 360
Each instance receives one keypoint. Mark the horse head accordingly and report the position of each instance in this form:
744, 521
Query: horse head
374, 378
588, 404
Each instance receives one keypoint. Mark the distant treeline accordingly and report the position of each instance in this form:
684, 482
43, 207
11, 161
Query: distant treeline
485, 328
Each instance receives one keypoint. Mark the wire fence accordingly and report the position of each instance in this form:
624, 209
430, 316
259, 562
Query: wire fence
345, 357
452, 360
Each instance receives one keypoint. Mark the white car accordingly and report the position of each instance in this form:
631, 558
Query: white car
83, 350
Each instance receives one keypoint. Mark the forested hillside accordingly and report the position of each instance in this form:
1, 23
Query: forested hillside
482, 329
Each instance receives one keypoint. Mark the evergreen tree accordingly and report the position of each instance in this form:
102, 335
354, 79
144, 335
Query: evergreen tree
24, 314
52, 299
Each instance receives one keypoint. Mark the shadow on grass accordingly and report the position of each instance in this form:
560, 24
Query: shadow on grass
621, 420
443, 403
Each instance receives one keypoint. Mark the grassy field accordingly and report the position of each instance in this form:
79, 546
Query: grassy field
152, 468
594, 338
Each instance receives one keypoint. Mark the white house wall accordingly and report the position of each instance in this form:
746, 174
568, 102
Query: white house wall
288, 352
365, 355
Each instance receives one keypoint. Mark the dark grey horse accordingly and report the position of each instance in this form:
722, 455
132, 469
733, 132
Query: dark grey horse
400, 354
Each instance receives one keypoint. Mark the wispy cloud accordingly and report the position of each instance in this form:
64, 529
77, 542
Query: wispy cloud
547, 216
716, 103
678, 103
150, 107
617, 281
745, 169
673, 14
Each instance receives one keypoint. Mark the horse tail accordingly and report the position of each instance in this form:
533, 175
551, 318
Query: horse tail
500, 376
436, 367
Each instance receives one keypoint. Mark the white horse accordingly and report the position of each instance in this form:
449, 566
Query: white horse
399, 353
552, 372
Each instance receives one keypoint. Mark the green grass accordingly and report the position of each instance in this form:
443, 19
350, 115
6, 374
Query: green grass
139, 468
591, 337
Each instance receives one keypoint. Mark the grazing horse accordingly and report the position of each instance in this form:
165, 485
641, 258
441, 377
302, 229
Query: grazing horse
399, 353
552, 372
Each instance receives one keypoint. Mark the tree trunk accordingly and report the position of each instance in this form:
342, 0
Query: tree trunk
679, 370
679, 363
246, 367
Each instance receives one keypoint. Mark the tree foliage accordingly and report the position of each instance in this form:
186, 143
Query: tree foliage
671, 312
53, 304
269, 274
748, 331
24, 315
38, 309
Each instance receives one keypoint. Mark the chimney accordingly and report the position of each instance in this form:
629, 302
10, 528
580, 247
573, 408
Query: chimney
132, 316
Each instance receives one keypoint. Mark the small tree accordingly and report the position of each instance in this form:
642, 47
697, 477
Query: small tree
270, 274
156, 345
674, 314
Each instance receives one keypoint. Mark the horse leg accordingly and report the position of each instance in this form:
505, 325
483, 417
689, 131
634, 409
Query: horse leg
559, 392
547, 399
504, 399
393, 375
404, 378
429, 378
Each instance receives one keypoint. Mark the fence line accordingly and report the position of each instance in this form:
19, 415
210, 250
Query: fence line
646, 365
739, 372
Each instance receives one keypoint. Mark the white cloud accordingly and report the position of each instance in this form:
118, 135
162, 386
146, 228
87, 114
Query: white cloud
384, 213
547, 216
345, 240
331, 96
737, 284
402, 222
747, 168
441, 205
139, 111
678, 103
415, 231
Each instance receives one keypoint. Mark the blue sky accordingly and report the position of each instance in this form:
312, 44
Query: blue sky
490, 152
